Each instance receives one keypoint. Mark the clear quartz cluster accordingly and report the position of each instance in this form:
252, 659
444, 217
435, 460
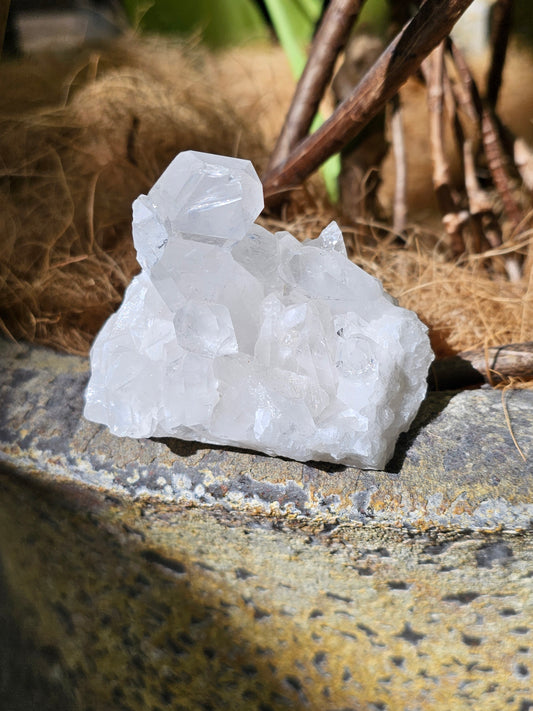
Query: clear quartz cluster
236, 336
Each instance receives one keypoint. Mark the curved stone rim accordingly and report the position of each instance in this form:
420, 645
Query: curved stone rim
456, 469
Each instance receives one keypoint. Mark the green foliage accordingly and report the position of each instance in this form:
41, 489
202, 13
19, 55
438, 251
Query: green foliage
294, 22
375, 16
218, 22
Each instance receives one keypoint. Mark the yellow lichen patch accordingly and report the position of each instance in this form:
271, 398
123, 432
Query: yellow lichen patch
145, 602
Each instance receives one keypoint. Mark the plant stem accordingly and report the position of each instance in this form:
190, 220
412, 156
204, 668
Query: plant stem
399, 217
453, 217
4, 12
492, 146
499, 39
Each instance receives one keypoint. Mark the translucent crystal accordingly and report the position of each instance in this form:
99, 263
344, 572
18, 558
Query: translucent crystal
236, 336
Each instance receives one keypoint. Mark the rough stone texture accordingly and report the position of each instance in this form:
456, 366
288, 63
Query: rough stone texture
163, 574
457, 467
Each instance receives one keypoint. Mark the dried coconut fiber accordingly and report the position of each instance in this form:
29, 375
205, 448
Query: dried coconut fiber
81, 135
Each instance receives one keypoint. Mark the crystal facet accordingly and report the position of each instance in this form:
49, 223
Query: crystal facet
236, 336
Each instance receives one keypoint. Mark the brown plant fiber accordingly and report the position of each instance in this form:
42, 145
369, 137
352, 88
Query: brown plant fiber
82, 135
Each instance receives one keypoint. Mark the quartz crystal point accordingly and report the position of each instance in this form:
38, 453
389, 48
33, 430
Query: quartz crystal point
236, 336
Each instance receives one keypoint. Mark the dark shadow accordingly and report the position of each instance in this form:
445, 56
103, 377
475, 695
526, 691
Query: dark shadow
29, 674
430, 409
328, 467
454, 373
114, 598
185, 448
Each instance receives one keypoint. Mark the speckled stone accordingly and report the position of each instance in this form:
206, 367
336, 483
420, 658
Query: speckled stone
169, 575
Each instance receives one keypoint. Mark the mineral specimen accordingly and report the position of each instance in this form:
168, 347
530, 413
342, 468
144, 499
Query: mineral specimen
236, 336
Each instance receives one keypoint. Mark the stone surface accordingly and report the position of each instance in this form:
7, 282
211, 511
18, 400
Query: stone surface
456, 468
234, 336
139, 574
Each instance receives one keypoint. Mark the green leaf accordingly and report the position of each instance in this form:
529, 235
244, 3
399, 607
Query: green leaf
294, 22
331, 168
218, 22
375, 16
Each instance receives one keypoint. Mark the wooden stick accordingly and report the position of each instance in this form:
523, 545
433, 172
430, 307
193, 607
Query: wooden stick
399, 212
486, 230
362, 158
496, 162
523, 158
4, 12
484, 225
330, 39
399, 61
493, 365
489, 134
499, 39
483, 214
478, 200
453, 217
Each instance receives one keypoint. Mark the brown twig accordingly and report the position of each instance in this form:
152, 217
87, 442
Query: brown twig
329, 40
478, 200
484, 224
453, 217
477, 205
496, 162
499, 39
483, 214
485, 227
523, 158
399, 61
508, 423
399, 210
494, 152
492, 365
361, 159
4, 12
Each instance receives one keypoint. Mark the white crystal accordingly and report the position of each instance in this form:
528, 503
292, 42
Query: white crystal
235, 336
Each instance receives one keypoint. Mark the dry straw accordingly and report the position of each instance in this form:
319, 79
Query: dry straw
82, 136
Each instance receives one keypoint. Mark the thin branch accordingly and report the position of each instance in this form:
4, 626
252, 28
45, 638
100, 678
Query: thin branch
399, 211
478, 200
453, 217
4, 12
399, 61
329, 40
498, 168
484, 225
502, 16
483, 214
489, 134
523, 158
509, 426
361, 159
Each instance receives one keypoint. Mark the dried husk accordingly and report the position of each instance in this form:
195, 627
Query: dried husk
82, 135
